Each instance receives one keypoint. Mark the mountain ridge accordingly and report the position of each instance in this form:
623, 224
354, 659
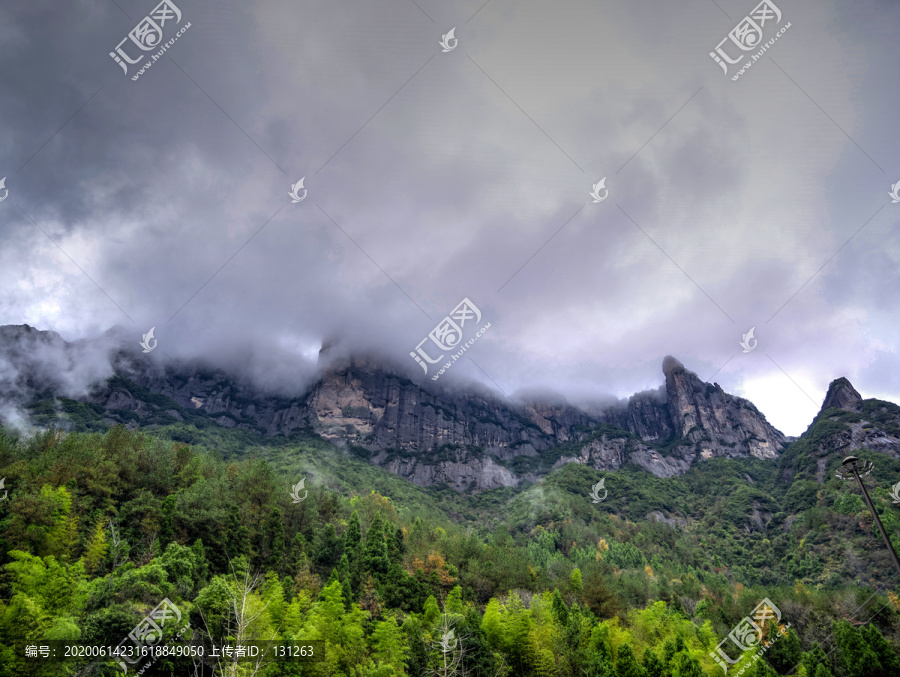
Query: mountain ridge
465, 439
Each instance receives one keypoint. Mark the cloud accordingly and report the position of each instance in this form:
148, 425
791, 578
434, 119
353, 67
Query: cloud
434, 177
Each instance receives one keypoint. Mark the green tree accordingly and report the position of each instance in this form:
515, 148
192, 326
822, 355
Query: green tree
353, 551
454, 603
167, 521
432, 612
627, 663
389, 647
684, 665
97, 546
785, 653
397, 546
854, 653
327, 548
237, 542
813, 658
653, 666
560, 610
375, 557
575, 583
887, 657
272, 551
822, 671
43, 524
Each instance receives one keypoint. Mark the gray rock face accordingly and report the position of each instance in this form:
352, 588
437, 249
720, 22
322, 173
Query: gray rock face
645, 414
461, 474
686, 408
379, 410
402, 424
842, 395
661, 466
611, 454
674, 522
719, 423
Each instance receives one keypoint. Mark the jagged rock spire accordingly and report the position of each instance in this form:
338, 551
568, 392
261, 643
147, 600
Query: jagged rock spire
842, 395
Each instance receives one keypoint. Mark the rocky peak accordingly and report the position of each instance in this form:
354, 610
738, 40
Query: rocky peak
718, 423
842, 395
671, 366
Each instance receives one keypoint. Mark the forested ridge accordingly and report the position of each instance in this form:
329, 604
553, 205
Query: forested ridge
99, 527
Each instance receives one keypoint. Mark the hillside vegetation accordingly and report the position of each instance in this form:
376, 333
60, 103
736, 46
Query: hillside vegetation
99, 527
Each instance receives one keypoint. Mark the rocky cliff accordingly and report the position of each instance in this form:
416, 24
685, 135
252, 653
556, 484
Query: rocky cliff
720, 424
846, 425
471, 438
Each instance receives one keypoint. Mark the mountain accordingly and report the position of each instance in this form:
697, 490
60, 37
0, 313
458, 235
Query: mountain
470, 438
706, 510
845, 424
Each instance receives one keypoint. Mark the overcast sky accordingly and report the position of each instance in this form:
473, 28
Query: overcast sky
433, 176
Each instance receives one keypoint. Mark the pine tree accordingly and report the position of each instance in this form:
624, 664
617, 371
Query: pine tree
389, 646
97, 546
454, 603
167, 521
599, 666
375, 557
822, 671
272, 552
890, 664
119, 549
857, 658
760, 669
343, 574
575, 584
296, 554
560, 610
327, 548
397, 546
627, 663
785, 653
813, 658
353, 552
201, 565
431, 612
687, 666
653, 665
237, 541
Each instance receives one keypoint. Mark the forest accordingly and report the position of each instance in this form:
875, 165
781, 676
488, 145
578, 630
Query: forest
299, 541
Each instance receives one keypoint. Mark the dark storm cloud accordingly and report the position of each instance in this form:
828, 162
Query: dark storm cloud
434, 177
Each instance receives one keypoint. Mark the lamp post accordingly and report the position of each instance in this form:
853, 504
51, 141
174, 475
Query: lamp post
852, 467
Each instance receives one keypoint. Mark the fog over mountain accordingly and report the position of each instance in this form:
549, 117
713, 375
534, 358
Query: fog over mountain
466, 436
434, 176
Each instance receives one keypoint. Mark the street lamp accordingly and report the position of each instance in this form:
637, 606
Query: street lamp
852, 467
